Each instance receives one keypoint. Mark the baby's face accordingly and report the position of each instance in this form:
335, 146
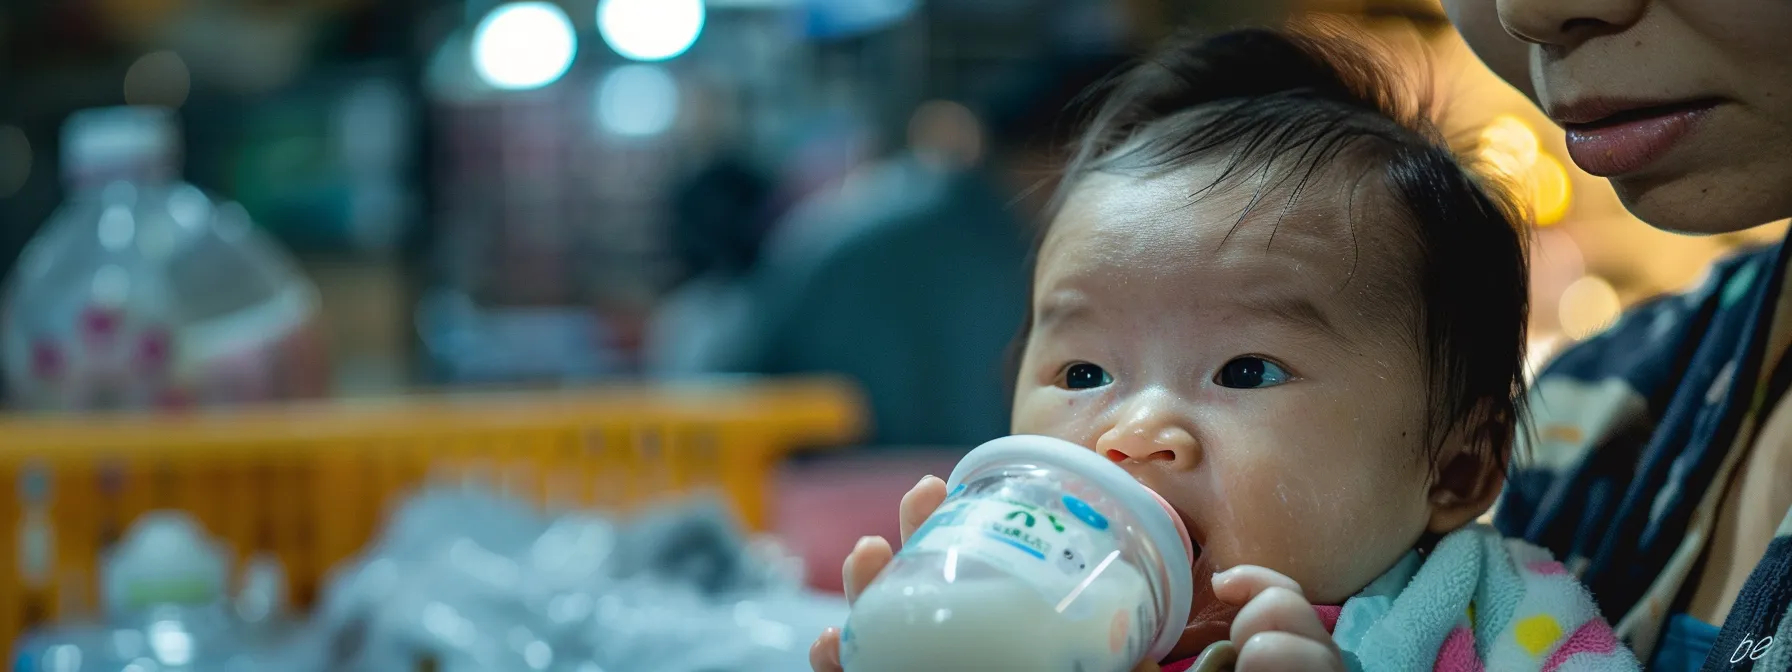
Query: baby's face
1267, 384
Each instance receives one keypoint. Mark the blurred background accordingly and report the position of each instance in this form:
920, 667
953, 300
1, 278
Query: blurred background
585, 253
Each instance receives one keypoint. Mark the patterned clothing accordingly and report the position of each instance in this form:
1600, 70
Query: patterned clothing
1476, 602
1631, 429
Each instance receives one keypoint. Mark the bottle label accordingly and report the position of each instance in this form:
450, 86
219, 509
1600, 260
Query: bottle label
1058, 551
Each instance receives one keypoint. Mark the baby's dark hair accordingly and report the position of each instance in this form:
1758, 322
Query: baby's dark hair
1311, 105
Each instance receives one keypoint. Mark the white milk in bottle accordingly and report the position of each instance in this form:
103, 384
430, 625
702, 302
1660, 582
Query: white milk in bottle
1044, 556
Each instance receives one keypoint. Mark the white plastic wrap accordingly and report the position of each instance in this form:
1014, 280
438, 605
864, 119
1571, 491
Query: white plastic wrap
468, 581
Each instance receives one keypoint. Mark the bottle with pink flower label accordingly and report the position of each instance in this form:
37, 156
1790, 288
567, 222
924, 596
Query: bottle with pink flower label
143, 292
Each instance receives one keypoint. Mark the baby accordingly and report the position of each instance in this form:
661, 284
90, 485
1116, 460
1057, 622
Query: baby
1273, 295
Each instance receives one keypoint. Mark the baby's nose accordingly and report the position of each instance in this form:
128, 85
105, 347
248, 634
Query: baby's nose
1148, 443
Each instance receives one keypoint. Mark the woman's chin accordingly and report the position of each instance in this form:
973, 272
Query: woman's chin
1706, 203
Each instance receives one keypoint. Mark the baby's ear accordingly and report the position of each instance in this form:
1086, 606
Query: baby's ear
1470, 471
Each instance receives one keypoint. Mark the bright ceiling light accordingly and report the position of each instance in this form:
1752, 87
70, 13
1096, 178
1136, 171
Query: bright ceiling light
650, 30
524, 45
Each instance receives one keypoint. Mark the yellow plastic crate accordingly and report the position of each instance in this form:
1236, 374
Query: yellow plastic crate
311, 482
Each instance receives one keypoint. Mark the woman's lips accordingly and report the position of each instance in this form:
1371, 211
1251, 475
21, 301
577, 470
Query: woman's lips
1630, 138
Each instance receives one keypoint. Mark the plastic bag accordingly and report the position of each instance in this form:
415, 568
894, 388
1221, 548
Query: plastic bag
467, 580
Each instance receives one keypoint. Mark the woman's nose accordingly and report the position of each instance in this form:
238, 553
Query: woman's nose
1150, 437
1567, 22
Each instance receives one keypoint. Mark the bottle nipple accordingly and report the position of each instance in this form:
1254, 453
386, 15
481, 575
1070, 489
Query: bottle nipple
1188, 543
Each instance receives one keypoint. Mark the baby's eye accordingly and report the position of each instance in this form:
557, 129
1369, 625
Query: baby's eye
1085, 376
1249, 373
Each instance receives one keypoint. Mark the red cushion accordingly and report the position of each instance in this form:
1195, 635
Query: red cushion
821, 508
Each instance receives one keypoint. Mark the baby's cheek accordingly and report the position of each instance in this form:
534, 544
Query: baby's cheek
1333, 534
1043, 413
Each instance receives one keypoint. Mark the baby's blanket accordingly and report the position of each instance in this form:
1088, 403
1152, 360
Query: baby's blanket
1477, 602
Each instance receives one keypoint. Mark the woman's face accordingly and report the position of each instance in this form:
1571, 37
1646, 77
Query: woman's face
1686, 105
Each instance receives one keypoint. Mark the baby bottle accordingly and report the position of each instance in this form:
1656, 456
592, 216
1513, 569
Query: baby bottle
1044, 556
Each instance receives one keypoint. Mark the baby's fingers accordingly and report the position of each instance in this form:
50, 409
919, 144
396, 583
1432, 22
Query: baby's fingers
824, 654
1279, 610
1274, 610
1239, 585
919, 503
867, 559
1286, 652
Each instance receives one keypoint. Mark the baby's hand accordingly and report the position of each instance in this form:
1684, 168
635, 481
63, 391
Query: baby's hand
869, 557
1277, 628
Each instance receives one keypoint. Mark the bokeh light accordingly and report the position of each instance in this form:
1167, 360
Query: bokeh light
15, 160
1556, 262
637, 101
1509, 145
650, 30
948, 131
1551, 190
1510, 148
524, 45
1590, 305
159, 79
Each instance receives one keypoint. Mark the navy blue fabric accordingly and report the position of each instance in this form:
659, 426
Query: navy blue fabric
1684, 645
1618, 510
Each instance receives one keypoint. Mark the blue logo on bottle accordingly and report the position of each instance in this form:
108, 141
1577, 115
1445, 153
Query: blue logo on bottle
945, 517
1085, 513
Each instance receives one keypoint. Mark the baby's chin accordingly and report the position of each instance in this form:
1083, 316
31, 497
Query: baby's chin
1210, 620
